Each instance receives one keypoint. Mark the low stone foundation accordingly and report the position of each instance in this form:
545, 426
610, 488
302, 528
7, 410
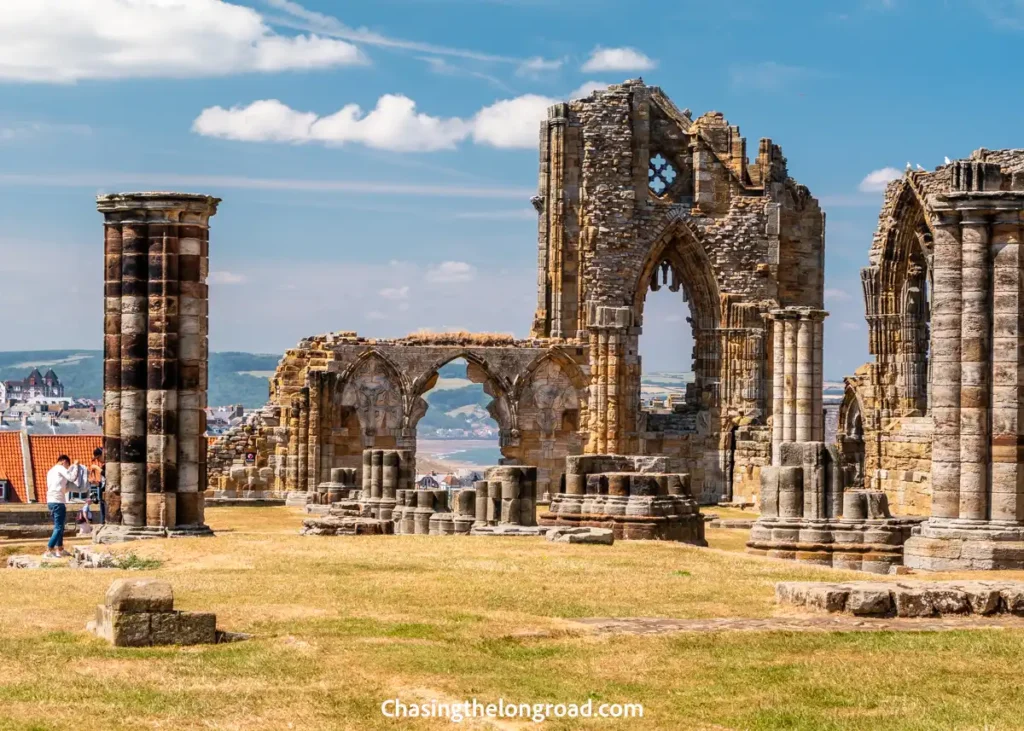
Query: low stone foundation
631, 496
962, 545
346, 525
140, 613
598, 536
111, 533
906, 599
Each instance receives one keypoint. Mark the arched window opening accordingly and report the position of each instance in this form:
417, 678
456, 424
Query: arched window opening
666, 347
457, 437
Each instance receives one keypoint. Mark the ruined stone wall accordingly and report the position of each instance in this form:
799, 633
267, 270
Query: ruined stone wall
636, 194
336, 395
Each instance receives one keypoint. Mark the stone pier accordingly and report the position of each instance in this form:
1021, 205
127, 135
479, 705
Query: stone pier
798, 340
155, 356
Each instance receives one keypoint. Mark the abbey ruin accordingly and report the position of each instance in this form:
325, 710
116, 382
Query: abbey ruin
635, 195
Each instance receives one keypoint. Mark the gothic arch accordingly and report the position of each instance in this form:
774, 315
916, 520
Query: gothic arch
501, 408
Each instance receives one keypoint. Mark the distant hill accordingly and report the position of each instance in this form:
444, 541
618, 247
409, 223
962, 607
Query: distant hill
235, 378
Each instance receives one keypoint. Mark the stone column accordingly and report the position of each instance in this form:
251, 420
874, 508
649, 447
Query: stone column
1007, 498
156, 251
789, 380
817, 378
947, 308
778, 385
975, 366
609, 333
804, 373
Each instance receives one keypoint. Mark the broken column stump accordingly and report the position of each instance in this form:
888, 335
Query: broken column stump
140, 613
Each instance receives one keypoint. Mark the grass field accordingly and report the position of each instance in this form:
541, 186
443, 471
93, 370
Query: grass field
340, 624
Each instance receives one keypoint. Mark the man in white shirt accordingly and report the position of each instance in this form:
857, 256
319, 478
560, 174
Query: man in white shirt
59, 480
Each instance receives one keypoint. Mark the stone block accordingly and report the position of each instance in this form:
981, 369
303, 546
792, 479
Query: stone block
874, 601
129, 629
196, 628
913, 603
598, 536
140, 595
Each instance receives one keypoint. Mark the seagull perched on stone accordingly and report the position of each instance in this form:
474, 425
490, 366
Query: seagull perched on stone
908, 166
948, 160
919, 167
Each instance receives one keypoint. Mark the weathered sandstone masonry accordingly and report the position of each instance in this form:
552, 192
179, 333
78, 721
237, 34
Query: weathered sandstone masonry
943, 296
807, 515
156, 256
634, 497
634, 195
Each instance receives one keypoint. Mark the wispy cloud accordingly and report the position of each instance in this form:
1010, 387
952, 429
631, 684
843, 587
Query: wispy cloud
771, 76
538, 66
395, 293
300, 18
451, 272
222, 277
837, 295
20, 131
512, 214
1003, 14
106, 181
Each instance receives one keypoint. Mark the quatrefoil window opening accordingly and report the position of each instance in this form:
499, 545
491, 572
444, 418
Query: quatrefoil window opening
660, 174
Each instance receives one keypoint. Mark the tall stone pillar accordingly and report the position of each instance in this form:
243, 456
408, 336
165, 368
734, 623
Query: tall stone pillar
156, 252
797, 378
946, 320
607, 412
975, 366
1007, 503
778, 385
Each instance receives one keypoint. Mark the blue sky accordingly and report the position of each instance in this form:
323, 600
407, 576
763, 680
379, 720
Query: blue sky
411, 210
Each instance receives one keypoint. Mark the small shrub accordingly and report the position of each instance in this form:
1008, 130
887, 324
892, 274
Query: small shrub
681, 573
132, 562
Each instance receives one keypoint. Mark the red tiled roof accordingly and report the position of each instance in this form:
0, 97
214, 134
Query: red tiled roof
46, 448
11, 467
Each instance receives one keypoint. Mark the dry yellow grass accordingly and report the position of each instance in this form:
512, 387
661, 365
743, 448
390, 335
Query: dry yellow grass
340, 624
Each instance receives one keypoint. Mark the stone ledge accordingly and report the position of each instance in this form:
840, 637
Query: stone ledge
905, 599
598, 536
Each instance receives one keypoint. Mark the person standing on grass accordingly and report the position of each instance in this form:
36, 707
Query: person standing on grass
59, 480
97, 477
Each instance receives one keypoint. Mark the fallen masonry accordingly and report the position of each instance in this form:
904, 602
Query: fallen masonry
905, 599
598, 536
140, 613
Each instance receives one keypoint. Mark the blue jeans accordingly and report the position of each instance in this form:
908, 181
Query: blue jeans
59, 511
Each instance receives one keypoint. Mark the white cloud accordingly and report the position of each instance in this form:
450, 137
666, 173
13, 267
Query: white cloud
838, 295
57, 41
618, 59
394, 293
393, 124
876, 180
18, 131
770, 75
850, 326
226, 278
511, 122
451, 272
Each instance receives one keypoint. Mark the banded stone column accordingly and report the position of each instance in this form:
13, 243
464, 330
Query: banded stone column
778, 385
817, 378
804, 366
789, 379
975, 366
1007, 499
946, 321
156, 251
608, 412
